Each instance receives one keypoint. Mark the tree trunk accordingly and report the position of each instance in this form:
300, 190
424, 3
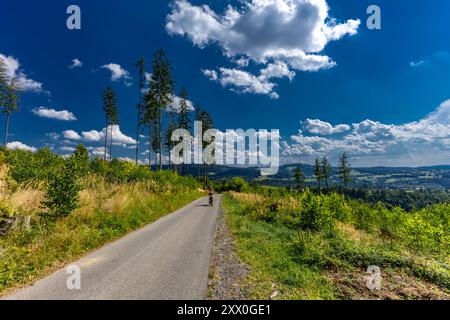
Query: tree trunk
7, 128
160, 141
137, 139
206, 176
110, 144
106, 141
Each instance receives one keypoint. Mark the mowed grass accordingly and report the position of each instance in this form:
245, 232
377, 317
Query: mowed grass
108, 211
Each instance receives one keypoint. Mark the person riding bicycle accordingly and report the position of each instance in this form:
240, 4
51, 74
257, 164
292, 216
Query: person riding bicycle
210, 195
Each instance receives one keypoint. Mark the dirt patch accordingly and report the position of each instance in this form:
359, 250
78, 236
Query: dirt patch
394, 286
227, 272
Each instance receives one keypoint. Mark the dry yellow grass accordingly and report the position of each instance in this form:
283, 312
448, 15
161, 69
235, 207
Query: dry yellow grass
247, 197
26, 200
352, 233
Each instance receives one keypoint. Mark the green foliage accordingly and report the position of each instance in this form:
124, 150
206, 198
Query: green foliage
81, 160
409, 200
26, 166
62, 191
299, 178
5, 210
345, 170
236, 184
288, 240
110, 106
157, 98
184, 121
316, 212
3, 83
326, 171
426, 230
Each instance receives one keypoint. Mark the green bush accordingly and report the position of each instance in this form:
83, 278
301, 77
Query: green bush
62, 191
25, 166
316, 212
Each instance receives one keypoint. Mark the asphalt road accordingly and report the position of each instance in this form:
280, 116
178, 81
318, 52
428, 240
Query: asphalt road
166, 260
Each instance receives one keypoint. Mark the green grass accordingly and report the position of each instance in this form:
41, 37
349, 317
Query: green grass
303, 262
265, 247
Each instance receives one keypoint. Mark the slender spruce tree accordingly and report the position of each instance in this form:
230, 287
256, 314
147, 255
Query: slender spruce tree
10, 105
198, 115
3, 84
168, 138
140, 65
318, 173
161, 90
326, 171
184, 121
111, 118
207, 123
345, 170
299, 178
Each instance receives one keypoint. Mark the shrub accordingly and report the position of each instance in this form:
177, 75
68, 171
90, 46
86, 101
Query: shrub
315, 213
27, 166
81, 160
62, 191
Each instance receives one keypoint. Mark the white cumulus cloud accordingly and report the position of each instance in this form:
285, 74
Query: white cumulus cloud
49, 113
96, 136
14, 71
118, 73
16, 145
316, 126
71, 135
422, 142
287, 33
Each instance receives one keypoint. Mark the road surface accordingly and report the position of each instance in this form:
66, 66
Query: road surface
166, 260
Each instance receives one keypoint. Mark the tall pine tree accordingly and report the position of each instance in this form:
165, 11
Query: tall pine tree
345, 170
3, 84
184, 121
326, 171
161, 92
10, 105
111, 118
207, 123
318, 173
140, 64
299, 178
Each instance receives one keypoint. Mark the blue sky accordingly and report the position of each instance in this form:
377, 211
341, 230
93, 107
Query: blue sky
380, 95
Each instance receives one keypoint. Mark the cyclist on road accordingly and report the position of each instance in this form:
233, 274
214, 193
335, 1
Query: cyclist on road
210, 195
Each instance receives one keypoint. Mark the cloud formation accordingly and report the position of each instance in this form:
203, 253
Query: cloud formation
285, 33
323, 128
14, 71
245, 82
118, 73
16, 145
423, 142
96, 136
76, 64
49, 113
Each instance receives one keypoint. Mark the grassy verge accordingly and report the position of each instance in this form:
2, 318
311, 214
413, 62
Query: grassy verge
108, 211
292, 262
265, 247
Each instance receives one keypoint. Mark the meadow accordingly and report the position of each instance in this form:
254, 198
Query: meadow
54, 210
305, 245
